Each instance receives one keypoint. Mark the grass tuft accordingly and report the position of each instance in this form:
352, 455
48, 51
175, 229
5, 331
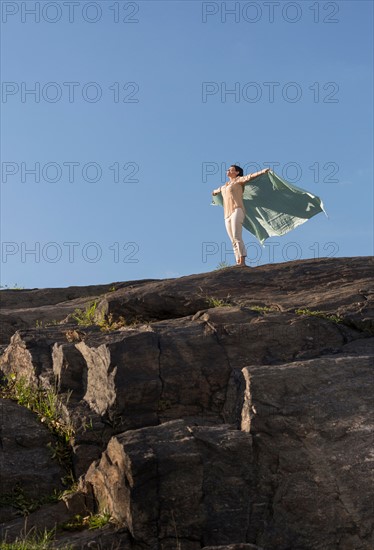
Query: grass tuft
89, 317
264, 309
25, 504
217, 302
34, 541
46, 404
322, 314
42, 324
85, 317
79, 523
108, 324
14, 287
222, 265
211, 301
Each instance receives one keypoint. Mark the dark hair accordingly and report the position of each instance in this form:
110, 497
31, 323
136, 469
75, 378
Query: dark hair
238, 169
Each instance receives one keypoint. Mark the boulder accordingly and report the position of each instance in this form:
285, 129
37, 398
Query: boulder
176, 485
311, 423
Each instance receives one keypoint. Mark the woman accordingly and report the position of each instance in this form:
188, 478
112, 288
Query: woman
233, 207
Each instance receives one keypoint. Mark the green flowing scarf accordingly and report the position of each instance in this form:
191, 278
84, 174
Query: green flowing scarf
274, 207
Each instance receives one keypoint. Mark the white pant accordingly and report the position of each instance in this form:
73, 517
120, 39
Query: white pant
234, 229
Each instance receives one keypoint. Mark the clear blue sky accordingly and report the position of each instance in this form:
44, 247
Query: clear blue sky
159, 71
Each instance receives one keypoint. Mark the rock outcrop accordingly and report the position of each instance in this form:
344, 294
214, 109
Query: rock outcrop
230, 409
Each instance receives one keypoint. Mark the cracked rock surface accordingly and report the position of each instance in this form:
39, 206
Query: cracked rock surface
247, 425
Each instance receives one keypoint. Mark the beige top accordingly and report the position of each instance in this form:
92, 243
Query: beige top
232, 194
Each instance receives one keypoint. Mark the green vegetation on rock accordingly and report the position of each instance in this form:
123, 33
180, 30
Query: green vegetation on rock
34, 541
322, 314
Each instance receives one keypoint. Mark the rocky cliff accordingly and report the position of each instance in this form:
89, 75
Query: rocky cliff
231, 408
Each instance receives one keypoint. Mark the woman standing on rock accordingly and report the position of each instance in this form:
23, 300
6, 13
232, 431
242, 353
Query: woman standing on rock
233, 208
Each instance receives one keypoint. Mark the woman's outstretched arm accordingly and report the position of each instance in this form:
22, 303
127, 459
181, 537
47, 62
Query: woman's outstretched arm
245, 179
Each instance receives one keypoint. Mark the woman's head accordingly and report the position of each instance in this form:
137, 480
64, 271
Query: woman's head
235, 171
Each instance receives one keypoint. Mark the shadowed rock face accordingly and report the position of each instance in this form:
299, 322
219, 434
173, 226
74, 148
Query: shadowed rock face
175, 480
311, 422
27, 470
205, 426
